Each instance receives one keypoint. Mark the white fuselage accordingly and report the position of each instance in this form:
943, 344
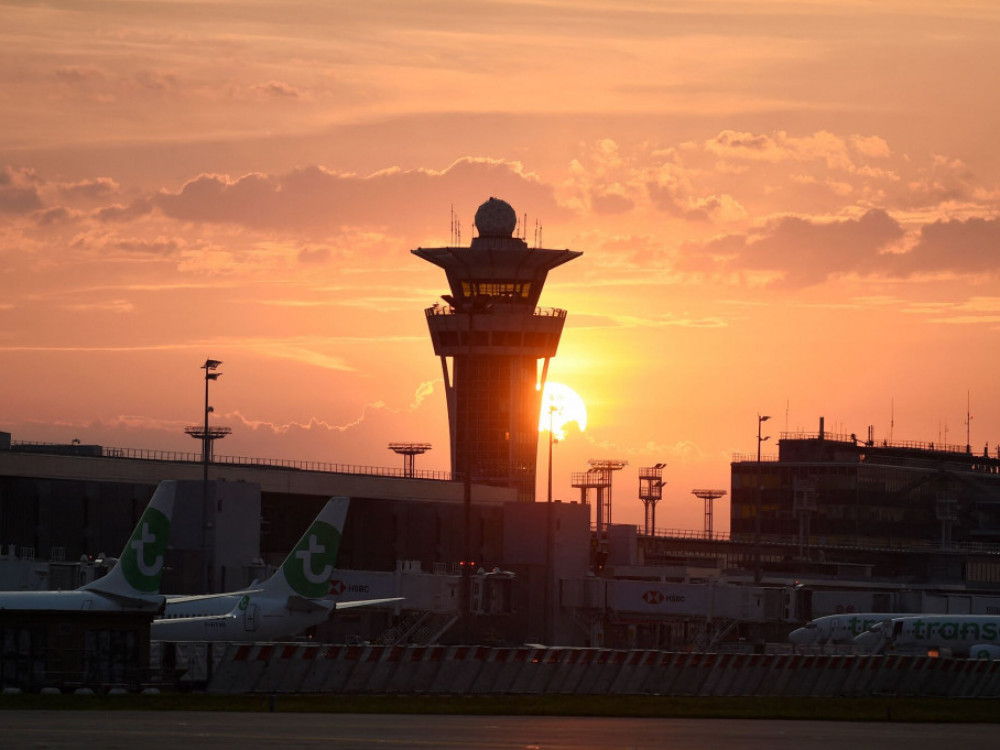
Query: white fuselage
200, 606
248, 618
77, 600
837, 628
957, 633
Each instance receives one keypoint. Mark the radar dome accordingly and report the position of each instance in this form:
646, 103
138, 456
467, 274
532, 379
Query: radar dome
496, 218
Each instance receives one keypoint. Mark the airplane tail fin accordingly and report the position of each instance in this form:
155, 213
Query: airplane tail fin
140, 565
307, 570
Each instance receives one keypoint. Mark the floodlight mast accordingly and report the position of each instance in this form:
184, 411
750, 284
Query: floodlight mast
408, 451
650, 492
208, 436
604, 468
709, 496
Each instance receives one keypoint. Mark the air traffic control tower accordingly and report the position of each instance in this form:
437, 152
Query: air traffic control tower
494, 333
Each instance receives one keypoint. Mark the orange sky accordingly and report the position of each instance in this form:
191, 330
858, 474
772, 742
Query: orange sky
786, 208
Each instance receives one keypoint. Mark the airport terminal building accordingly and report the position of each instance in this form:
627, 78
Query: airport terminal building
834, 524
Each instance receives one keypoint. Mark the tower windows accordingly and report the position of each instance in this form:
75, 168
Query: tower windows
497, 290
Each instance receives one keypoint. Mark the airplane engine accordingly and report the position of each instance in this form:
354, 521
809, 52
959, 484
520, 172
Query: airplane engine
985, 651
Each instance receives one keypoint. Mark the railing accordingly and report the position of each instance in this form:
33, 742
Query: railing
825, 542
818, 541
855, 440
142, 454
543, 312
752, 458
716, 536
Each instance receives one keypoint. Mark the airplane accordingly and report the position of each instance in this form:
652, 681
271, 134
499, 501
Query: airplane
975, 636
287, 603
133, 585
841, 628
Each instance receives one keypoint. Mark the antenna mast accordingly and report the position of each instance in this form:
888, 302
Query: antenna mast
968, 422
455, 229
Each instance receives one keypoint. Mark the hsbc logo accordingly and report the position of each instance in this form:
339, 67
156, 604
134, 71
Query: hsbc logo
653, 597
339, 587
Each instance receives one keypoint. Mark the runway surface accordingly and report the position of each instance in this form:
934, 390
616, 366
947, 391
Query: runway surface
185, 730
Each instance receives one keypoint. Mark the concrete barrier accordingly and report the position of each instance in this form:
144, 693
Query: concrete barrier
286, 668
308, 668
459, 670
240, 669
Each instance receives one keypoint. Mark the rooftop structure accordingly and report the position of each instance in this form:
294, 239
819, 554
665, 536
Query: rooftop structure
840, 489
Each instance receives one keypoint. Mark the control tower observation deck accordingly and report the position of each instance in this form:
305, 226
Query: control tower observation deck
495, 335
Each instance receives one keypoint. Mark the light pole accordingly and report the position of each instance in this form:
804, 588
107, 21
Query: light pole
207, 435
756, 518
549, 541
552, 411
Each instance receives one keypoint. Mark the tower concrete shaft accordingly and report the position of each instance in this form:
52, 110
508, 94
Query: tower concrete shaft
494, 336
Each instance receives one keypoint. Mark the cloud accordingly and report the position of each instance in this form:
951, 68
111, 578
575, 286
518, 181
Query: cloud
112, 305
957, 246
804, 251
19, 192
807, 251
278, 90
319, 200
129, 212
53, 216
611, 203
313, 424
110, 245
99, 187
835, 151
713, 208
423, 391
318, 255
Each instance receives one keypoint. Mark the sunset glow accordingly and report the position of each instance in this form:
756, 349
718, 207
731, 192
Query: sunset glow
789, 209
561, 405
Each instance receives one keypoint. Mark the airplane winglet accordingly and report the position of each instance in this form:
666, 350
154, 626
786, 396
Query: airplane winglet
368, 602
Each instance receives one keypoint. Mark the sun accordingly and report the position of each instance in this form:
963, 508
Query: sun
560, 406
